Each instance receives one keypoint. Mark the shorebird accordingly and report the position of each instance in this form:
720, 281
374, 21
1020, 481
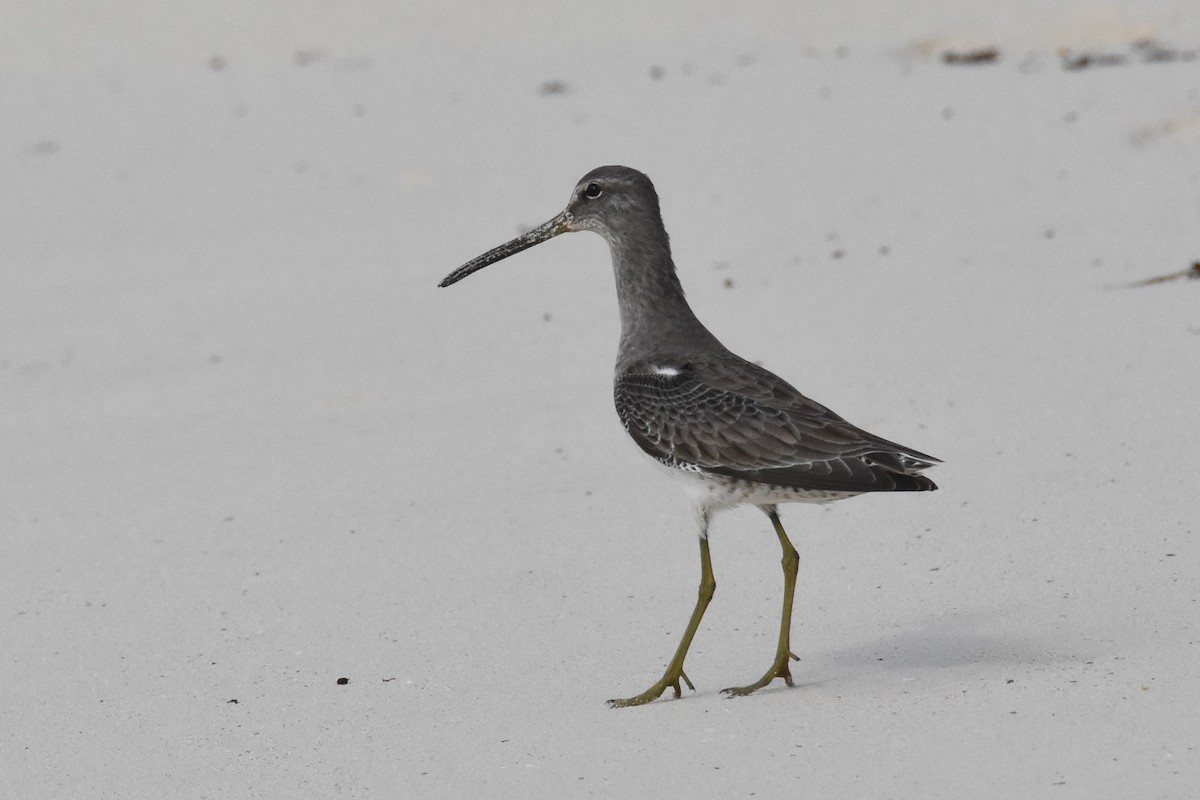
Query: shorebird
737, 433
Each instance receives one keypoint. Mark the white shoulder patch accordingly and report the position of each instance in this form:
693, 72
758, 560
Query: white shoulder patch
664, 370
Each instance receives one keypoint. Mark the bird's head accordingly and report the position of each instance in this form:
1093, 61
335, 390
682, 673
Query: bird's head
605, 201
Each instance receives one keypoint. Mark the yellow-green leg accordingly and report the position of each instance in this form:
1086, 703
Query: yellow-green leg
674, 672
783, 652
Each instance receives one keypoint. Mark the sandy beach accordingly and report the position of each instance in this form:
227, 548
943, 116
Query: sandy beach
249, 449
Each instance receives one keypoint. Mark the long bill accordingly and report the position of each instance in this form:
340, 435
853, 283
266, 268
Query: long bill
541, 233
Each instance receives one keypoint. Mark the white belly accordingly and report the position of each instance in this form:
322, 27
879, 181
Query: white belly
716, 492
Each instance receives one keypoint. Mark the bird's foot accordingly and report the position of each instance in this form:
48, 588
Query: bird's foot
778, 670
671, 679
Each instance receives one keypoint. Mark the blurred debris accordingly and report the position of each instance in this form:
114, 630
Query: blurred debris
304, 58
982, 55
1191, 273
1072, 61
1150, 52
43, 147
1186, 126
1147, 51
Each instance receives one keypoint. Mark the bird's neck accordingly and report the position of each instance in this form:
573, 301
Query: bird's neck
655, 316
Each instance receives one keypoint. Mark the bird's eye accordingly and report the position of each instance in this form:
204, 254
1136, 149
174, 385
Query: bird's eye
592, 191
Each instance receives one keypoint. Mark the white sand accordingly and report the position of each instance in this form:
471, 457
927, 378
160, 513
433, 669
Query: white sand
248, 448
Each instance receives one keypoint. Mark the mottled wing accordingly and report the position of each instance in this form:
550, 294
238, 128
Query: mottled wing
730, 417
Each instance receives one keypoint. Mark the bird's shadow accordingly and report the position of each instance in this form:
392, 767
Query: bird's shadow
949, 642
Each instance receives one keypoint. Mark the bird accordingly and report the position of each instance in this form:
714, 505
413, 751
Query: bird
736, 433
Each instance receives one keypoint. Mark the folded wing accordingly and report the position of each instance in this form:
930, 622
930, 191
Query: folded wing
730, 417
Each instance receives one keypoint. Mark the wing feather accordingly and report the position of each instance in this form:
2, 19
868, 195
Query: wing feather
731, 417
